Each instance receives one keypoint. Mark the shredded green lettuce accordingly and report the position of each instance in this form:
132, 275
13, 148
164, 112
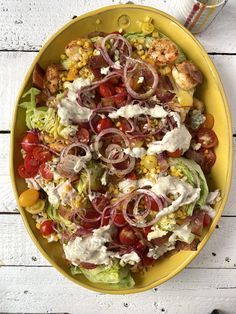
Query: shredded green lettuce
115, 275
43, 118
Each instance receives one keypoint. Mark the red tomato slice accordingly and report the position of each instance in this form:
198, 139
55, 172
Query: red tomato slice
207, 138
23, 173
149, 201
83, 135
119, 220
31, 164
207, 220
45, 171
175, 154
103, 124
29, 142
204, 157
106, 90
127, 236
124, 125
120, 89
91, 219
46, 228
41, 154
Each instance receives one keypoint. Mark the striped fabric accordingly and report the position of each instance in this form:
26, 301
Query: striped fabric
198, 15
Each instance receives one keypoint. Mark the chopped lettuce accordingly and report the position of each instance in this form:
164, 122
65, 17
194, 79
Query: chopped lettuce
44, 118
167, 223
115, 275
194, 176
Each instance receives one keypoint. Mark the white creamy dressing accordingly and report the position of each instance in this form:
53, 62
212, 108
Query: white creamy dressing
158, 251
129, 258
90, 249
156, 233
162, 186
68, 109
136, 152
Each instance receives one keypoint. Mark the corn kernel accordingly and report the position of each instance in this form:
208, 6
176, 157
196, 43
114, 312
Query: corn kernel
141, 52
37, 225
155, 34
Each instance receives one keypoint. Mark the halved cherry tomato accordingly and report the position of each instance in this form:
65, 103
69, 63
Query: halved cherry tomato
132, 176
140, 248
127, 236
153, 205
41, 154
46, 228
30, 140
87, 265
209, 122
83, 135
207, 138
103, 124
119, 98
147, 261
29, 197
45, 171
120, 89
106, 90
124, 125
204, 157
207, 220
119, 220
23, 173
91, 219
175, 154
31, 164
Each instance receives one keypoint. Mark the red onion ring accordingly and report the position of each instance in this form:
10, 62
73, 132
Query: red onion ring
125, 171
128, 77
117, 38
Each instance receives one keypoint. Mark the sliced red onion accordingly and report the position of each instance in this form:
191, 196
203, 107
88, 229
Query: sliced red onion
128, 77
85, 147
137, 217
162, 162
124, 171
116, 38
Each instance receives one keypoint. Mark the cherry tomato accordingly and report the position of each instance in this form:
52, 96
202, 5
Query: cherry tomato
127, 236
87, 265
175, 154
29, 142
119, 220
151, 202
28, 198
140, 248
103, 124
132, 176
209, 122
147, 261
45, 171
106, 90
41, 154
46, 228
83, 135
124, 125
204, 157
207, 138
23, 173
207, 220
120, 90
31, 164
120, 98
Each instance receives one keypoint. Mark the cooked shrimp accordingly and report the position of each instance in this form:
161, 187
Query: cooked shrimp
52, 77
163, 51
187, 75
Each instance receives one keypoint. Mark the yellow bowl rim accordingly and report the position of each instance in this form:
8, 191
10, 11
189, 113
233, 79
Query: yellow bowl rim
230, 157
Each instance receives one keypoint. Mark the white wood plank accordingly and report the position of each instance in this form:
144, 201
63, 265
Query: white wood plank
8, 203
18, 249
42, 290
15, 64
21, 27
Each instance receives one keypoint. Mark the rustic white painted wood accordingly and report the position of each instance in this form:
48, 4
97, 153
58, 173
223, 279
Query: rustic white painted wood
27, 282
14, 66
41, 290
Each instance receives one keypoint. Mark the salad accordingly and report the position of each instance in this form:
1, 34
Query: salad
116, 153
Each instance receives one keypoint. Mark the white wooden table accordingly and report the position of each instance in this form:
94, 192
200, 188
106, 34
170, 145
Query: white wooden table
28, 284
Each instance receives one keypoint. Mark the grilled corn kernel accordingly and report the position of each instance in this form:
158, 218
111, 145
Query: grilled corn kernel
141, 52
165, 70
38, 225
149, 161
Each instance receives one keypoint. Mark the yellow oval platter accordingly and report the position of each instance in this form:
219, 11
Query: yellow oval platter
211, 92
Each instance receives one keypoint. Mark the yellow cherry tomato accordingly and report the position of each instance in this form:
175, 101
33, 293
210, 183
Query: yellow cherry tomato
28, 197
36, 208
149, 161
209, 122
